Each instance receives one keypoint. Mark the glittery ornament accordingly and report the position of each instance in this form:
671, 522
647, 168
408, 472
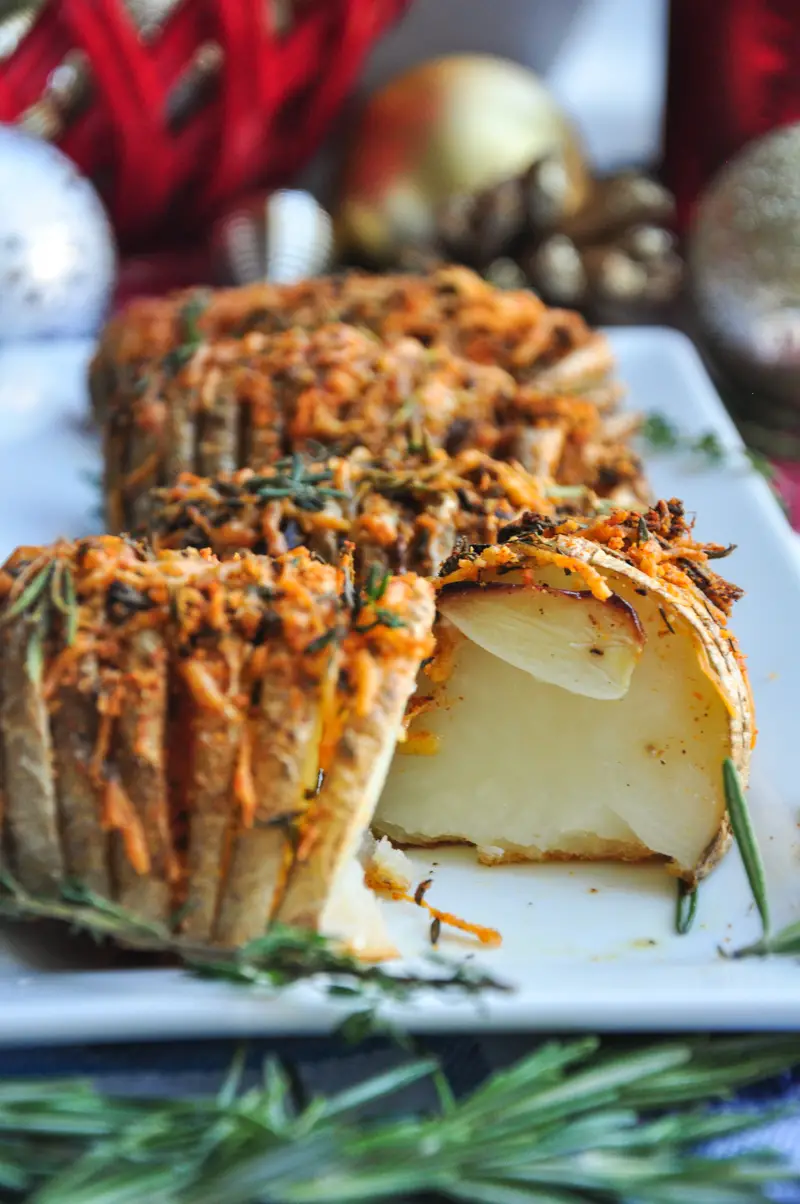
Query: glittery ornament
57, 257
744, 259
283, 236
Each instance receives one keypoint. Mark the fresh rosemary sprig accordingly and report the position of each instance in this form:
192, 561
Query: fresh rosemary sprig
685, 908
572, 1122
785, 943
742, 826
282, 956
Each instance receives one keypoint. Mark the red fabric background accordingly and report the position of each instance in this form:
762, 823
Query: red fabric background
734, 74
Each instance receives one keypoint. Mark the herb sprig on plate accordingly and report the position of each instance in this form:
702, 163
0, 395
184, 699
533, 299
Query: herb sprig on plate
283, 955
660, 434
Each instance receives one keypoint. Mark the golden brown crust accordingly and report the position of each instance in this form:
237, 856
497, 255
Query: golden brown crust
205, 682
451, 306
400, 515
363, 361
657, 541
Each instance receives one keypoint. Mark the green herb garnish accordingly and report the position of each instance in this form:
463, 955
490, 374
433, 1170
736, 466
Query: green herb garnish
191, 336
281, 956
785, 943
739, 815
662, 435
574, 1121
685, 908
51, 589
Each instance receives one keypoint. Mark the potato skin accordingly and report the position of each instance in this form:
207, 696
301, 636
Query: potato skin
30, 810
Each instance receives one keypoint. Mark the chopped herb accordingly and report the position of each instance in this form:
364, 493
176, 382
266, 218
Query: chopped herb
422, 890
644, 533
660, 433
686, 908
376, 583
436, 930
709, 446
322, 641
720, 553
785, 943
667, 623
190, 334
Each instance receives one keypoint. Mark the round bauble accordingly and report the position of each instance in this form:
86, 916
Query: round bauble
282, 236
452, 128
744, 261
57, 256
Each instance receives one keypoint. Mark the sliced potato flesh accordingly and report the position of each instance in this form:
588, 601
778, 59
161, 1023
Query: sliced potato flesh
525, 769
564, 637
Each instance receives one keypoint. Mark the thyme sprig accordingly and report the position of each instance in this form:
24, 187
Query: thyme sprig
282, 956
573, 1121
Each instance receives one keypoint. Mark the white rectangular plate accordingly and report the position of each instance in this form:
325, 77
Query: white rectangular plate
588, 947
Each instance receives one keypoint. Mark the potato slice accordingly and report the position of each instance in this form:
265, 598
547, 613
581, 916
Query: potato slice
536, 757
565, 637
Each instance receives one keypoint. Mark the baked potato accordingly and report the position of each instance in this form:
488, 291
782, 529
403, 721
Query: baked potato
585, 692
246, 402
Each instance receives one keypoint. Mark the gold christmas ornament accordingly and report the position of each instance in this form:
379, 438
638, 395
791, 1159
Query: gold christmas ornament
443, 133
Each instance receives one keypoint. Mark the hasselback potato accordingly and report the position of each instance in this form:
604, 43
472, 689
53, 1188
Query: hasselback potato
202, 739
244, 402
453, 307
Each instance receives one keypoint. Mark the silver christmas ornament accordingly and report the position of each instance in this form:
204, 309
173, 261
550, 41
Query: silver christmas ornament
744, 261
283, 237
57, 256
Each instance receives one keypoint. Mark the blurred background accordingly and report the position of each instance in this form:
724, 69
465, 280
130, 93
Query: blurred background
638, 160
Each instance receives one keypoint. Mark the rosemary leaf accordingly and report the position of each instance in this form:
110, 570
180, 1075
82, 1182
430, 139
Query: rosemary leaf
31, 593
784, 943
643, 531
686, 908
249, 1146
64, 600
741, 823
34, 654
